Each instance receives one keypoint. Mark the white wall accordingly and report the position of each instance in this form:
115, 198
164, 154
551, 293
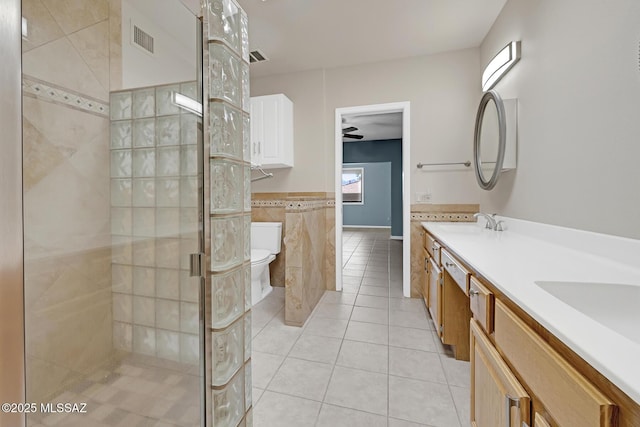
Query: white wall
173, 27
578, 90
306, 92
443, 90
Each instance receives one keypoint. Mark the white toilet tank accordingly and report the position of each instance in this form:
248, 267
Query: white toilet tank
266, 235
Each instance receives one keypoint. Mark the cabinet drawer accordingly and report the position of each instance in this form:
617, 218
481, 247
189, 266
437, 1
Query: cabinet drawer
481, 300
566, 395
459, 274
432, 247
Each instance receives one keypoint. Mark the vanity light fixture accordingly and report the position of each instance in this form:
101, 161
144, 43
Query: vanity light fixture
187, 103
500, 64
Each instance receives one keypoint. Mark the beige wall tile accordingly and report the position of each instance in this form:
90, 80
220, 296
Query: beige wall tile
293, 239
42, 28
60, 63
73, 15
115, 44
92, 43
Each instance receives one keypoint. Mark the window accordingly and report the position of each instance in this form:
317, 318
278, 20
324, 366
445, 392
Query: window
353, 186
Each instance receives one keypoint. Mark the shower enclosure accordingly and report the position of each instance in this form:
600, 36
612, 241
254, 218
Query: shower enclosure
135, 272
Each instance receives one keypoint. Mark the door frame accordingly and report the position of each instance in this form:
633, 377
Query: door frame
12, 367
393, 107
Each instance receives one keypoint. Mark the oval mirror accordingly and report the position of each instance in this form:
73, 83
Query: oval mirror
489, 140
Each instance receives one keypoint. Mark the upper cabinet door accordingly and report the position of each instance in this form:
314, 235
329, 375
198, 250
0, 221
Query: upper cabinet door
497, 398
272, 131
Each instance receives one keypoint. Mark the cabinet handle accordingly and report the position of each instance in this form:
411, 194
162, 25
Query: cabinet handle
254, 148
259, 147
449, 264
510, 402
473, 292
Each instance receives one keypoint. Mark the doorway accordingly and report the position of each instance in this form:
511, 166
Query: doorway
341, 113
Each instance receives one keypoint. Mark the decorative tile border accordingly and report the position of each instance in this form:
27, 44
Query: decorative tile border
268, 203
442, 217
58, 95
305, 205
294, 205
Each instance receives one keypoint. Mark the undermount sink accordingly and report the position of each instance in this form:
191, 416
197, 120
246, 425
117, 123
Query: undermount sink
614, 306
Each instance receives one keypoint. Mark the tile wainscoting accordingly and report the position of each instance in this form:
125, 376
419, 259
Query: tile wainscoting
431, 212
305, 265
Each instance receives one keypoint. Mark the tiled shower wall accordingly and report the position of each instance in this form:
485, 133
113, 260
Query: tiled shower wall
154, 223
226, 61
67, 280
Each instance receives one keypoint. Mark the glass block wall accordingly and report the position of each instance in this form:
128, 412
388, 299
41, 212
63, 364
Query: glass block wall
154, 223
226, 80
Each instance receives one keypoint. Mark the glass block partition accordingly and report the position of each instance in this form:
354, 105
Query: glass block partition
154, 223
227, 141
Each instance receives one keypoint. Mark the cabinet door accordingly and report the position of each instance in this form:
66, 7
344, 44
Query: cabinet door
424, 278
271, 144
497, 398
539, 421
272, 131
567, 396
257, 130
435, 295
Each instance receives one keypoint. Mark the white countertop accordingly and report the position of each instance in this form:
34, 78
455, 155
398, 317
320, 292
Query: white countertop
526, 252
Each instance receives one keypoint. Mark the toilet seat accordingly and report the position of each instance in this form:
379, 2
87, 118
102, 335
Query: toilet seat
259, 255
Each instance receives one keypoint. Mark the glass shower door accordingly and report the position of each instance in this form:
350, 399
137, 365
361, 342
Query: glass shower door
112, 211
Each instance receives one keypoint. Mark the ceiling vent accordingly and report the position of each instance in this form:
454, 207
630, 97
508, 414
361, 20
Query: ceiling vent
141, 39
257, 56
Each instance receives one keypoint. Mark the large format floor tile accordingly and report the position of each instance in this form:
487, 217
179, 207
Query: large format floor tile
302, 378
366, 357
356, 389
332, 416
281, 410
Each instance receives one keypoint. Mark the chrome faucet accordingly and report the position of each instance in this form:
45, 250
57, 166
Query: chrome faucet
491, 221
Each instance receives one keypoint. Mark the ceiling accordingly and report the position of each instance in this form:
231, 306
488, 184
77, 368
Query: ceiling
298, 35
374, 126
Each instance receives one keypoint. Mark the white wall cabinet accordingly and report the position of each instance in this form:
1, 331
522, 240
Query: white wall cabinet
272, 131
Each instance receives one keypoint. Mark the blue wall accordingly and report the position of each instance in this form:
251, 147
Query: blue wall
381, 151
376, 209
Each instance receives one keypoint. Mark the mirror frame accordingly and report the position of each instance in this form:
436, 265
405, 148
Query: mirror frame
490, 95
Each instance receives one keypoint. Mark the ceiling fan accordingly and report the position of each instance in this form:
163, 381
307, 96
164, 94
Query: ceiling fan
346, 133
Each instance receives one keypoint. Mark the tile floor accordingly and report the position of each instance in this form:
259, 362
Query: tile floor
137, 391
366, 357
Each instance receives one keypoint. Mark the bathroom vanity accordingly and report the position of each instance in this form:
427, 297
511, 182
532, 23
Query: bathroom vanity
551, 318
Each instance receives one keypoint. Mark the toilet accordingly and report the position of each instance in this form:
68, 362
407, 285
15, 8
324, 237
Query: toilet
265, 245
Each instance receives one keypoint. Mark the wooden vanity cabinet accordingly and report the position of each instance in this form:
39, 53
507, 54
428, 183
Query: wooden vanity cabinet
435, 282
481, 302
455, 317
497, 397
540, 421
568, 397
515, 359
446, 298
425, 277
